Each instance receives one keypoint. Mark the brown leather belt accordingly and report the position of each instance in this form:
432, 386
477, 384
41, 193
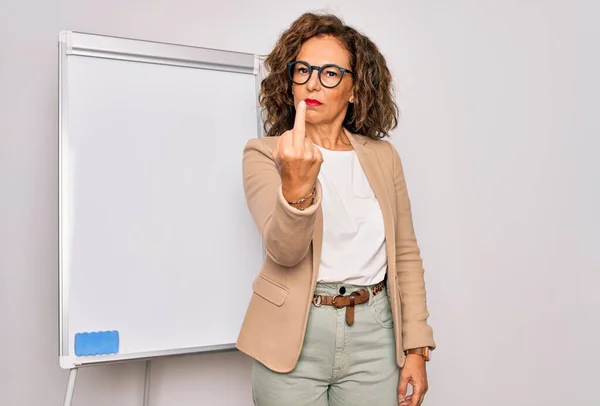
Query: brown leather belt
349, 301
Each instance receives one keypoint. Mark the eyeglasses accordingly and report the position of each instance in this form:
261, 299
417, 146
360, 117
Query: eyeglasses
330, 75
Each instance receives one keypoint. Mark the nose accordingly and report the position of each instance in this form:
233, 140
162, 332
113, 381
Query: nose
313, 82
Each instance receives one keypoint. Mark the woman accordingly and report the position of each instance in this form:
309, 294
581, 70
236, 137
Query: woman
339, 313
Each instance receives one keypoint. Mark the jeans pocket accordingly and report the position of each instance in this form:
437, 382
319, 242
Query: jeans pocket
381, 310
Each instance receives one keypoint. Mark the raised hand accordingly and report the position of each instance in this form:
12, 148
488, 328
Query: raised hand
298, 160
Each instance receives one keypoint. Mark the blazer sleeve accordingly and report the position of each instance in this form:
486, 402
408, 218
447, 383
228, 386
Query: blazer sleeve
409, 268
286, 231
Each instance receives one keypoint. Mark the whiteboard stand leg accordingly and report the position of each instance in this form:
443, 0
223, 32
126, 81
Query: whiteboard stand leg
147, 385
71, 386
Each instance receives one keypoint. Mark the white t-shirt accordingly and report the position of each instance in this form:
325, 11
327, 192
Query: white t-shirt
353, 232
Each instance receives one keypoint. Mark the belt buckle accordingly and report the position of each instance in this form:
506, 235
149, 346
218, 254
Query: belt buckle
333, 301
317, 300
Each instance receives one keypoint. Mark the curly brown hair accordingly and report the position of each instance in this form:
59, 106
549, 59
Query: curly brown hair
374, 112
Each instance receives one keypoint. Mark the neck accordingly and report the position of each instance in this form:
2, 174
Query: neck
330, 137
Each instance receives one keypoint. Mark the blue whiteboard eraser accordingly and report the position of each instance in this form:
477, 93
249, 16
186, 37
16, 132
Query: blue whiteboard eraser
97, 343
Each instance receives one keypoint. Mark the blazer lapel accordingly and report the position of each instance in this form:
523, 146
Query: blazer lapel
370, 164
317, 244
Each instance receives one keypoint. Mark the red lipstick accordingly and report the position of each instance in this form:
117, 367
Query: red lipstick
312, 102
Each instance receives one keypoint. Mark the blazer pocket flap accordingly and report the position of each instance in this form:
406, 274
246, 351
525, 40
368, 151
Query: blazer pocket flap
270, 290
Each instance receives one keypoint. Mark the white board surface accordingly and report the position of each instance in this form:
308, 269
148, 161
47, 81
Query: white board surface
156, 240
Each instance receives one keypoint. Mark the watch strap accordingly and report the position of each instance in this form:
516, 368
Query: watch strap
422, 351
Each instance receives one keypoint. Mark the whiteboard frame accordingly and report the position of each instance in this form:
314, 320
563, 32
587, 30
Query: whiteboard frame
73, 43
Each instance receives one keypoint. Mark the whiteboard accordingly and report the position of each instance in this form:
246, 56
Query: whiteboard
156, 241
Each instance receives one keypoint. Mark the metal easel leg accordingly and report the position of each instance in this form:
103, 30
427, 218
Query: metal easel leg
147, 385
71, 386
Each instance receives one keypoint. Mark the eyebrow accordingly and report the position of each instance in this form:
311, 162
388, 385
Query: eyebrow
323, 64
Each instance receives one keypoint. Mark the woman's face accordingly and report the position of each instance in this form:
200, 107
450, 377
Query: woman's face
324, 106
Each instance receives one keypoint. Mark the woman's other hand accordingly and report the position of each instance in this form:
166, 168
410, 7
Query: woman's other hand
297, 159
414, 373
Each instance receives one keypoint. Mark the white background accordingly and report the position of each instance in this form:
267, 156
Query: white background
498, 137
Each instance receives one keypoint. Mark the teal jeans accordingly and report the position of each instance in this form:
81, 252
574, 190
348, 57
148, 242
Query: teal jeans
339, 365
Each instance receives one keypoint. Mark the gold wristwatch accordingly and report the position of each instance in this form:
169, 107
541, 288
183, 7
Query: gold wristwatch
422, 351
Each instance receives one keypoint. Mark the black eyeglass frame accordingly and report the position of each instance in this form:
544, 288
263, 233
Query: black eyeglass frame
312, 68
